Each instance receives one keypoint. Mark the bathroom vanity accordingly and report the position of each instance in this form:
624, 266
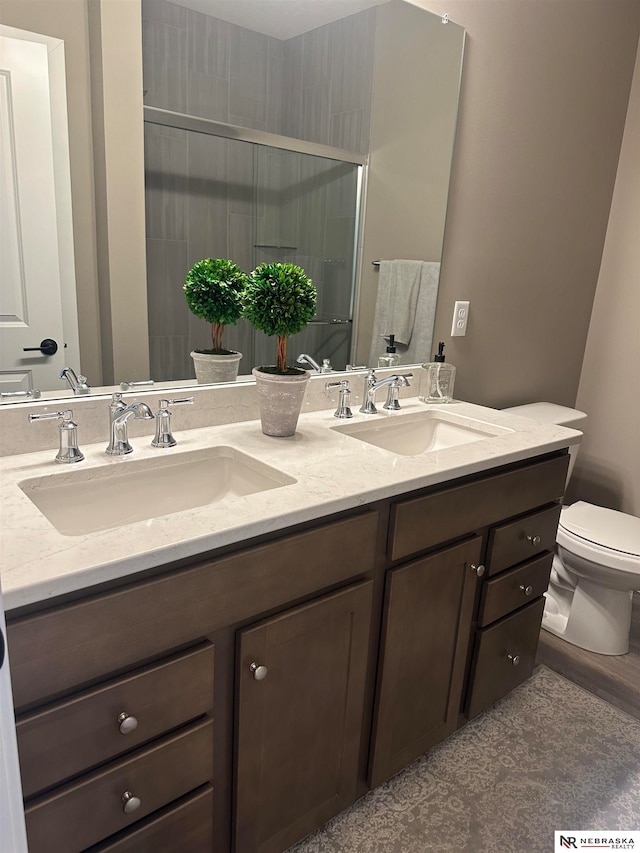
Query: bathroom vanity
234, 689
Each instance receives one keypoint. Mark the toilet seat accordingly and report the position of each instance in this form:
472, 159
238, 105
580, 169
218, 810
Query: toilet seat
601, 535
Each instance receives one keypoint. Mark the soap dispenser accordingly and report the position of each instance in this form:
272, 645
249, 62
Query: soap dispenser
391, 357
437, 379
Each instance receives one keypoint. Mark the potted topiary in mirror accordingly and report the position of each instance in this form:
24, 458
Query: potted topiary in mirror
213, 289
279, 300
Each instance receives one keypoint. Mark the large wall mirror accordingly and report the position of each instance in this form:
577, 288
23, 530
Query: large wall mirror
320, 134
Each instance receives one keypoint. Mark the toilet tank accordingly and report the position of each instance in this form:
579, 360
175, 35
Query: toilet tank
551, 413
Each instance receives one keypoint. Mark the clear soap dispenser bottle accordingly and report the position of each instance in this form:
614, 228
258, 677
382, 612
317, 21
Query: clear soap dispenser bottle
391, 358
437, 379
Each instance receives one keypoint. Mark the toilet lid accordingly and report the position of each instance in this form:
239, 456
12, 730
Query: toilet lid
608, 528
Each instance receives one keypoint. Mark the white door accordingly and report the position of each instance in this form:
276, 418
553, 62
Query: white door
30, 296
12, 830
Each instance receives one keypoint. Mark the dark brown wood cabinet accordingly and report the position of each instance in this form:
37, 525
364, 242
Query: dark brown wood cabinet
301, 682
518, 564
427, 619
376, 627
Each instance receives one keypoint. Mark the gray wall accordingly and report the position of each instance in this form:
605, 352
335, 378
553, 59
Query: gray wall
607, 470
545, 91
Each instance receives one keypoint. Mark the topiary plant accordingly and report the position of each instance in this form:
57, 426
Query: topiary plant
213, 289
279, 300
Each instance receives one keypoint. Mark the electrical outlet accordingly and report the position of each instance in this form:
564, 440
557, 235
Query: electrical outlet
460, 317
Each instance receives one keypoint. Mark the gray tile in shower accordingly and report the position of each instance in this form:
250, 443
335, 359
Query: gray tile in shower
165, 182
207, 96
208, 45
275, 100
351, 69
345, 130
240, 177
169, 358
241, 240
166, 269
316, 57
315, 114
248, 75
164, 13
164, 62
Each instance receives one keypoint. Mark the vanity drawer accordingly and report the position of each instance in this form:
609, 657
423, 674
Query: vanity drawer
186, 826
525, 537
85, 812
69, 737
503, 657
424, 522
69, 646
513, 589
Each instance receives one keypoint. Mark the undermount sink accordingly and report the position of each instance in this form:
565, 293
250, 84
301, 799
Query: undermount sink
86, 501
422, 432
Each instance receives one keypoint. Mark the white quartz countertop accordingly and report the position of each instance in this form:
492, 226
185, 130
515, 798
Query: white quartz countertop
332, 472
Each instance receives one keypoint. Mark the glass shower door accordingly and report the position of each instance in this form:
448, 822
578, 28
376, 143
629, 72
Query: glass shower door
306, 213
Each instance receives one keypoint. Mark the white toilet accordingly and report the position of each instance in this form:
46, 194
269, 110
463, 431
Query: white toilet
597, 564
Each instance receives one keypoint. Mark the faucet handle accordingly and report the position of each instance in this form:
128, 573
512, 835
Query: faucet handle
33, 393
343, 410
163, 436
180, 402
125, 386
69, 450
399, 379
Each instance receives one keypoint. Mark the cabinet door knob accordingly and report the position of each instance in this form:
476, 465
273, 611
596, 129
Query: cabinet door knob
515, 659
127, 723
526, 589
534, 540
259, 672
478, 570
130, 803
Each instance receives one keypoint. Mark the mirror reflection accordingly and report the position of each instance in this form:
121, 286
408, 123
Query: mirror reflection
373, 95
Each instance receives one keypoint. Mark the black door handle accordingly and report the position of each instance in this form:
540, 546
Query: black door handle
47, 347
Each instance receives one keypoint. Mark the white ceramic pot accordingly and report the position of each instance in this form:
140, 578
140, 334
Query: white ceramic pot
280, 399
212, 368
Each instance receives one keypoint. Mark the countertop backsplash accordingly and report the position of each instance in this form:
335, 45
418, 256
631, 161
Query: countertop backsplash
213, 406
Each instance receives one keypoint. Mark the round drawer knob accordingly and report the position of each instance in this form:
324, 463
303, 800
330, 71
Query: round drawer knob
130, 803
127, 723
534, 540
515, 659
526, 589
478, 570
259, 672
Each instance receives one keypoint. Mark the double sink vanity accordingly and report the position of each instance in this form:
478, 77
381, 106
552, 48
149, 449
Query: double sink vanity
221, 645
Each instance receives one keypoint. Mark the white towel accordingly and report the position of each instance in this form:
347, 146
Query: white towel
415, 307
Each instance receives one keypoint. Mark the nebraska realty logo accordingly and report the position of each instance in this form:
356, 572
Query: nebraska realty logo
579, 839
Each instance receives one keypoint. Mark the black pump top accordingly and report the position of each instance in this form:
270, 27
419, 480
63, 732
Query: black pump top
391, 347
439, 356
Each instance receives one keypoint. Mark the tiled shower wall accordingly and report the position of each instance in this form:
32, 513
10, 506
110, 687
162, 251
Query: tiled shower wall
210, 197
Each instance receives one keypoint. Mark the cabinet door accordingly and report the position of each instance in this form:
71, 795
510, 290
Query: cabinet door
427, 620
299, 719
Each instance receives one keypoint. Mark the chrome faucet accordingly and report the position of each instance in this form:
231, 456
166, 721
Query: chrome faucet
344, 409
164, 436
119, 414
77, 383
371, 385
303, 358
69, 450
